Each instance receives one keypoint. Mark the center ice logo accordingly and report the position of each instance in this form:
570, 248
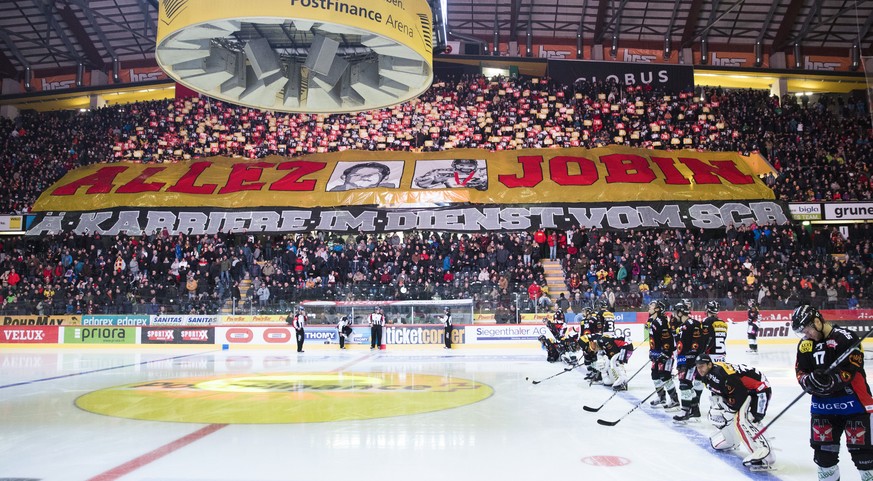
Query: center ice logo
284, 398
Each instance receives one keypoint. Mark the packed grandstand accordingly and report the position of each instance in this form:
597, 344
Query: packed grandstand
820, 150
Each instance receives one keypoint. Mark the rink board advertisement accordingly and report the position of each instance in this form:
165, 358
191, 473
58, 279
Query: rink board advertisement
110, 320
100, 335
408, 335
177, 335
182, 320
254, 335
28, 335
391, 335
504, 333
285, 335
684, 215
13, 320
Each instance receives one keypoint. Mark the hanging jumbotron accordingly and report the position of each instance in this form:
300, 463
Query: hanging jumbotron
315, 56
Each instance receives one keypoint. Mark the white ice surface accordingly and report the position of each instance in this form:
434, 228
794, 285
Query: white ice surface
522, 432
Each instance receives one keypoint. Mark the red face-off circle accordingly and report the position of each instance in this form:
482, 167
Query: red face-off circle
605, 460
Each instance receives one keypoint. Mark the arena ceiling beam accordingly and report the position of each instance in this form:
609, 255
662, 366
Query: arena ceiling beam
92, 55
815, 11
148, 19
7, 68
616, 19
7, 39
672, 24
784, 31
713, 18
691, 23
600, 21
829, 22
89, 14
862, 34
580, 30
767, 21
48, 14
515, 6
96, 13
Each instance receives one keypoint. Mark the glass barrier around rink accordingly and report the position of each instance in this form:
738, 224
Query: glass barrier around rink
326, 309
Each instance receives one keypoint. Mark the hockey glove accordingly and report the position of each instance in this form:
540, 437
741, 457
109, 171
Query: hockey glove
819, 382
720, 417
664, 357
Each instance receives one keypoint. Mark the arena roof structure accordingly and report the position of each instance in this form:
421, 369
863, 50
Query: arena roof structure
59, 35
777, 25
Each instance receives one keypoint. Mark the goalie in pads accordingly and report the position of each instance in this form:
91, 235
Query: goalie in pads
613, 354
740, 396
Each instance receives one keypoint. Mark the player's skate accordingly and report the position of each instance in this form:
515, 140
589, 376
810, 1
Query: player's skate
760, 460
690, 413
672, 404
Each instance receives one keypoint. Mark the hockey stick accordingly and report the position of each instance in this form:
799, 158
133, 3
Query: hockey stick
598, 408
566, 370
829, 370
604, 422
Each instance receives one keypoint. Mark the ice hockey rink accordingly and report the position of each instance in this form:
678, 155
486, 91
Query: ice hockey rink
425, 414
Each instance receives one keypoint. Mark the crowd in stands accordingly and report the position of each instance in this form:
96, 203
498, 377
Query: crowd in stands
777, 266
159, 273
821, 151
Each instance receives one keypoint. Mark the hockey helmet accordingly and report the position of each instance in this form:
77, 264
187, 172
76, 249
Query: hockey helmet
803, 316
656, 306
703, 359
753, 303
345, 319
712, 307
681, 308
301, 308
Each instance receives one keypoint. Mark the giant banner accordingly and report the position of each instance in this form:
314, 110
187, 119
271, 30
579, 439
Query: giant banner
463, 189
669, 78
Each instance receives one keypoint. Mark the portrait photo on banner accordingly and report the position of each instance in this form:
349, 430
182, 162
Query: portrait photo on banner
451, 174
365, 175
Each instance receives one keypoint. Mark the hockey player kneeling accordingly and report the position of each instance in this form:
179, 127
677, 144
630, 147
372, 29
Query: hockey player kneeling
613, 354
740, 396
553, 350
